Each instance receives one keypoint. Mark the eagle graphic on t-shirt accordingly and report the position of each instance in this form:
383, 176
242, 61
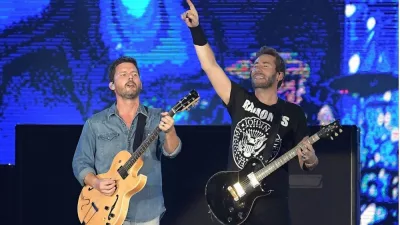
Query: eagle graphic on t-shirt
249, 140
252, 143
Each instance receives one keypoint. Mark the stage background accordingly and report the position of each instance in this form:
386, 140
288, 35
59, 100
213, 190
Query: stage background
342, 59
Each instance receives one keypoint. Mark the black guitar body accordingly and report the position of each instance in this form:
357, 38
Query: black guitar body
229, 194
221, 203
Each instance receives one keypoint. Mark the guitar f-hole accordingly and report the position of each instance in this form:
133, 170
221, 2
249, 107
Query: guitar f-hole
111, 215
96, 210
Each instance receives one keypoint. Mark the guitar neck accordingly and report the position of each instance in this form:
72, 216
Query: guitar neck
277, 163
183, 105
144, 146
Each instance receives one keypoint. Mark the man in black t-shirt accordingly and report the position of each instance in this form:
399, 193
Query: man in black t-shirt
254, 115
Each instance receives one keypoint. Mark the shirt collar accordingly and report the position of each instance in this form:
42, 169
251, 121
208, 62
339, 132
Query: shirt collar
113, 110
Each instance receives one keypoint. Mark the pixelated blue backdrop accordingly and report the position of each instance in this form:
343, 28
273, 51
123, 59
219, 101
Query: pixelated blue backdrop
342, 63
371, 64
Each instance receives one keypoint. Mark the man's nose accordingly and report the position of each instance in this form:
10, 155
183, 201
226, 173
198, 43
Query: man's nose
256, 68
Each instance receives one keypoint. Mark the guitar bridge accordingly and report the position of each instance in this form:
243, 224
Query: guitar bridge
237, 191
233, 193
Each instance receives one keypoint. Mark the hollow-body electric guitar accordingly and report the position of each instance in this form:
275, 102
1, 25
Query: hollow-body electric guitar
94, 208
230, 195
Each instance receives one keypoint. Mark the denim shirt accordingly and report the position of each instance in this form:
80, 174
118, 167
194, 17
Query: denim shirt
103, 136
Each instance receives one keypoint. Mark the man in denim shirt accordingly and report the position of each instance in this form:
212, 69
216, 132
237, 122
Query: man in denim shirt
112, 130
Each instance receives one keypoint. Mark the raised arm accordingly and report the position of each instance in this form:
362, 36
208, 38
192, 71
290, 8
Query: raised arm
215, 73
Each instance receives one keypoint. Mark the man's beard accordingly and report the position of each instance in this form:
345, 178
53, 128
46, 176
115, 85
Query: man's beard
129, 93
269, 81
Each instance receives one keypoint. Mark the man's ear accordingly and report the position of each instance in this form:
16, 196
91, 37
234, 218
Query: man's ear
280, 76
111, 86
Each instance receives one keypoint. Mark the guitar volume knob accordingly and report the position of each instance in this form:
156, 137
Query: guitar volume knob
231, 209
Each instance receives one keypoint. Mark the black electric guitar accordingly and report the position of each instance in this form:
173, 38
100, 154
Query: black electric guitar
230, 195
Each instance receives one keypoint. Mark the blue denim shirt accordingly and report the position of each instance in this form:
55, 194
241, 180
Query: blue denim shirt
103, 136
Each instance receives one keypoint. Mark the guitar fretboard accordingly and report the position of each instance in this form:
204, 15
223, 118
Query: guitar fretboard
142, 148
274, 165
184, 104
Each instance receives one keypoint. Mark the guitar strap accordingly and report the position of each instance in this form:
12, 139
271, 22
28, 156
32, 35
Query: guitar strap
139, 130
276, 124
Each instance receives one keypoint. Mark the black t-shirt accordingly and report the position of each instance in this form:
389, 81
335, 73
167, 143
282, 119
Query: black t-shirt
251, 121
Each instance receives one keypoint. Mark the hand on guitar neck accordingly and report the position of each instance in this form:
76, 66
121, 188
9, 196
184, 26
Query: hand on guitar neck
105, 197
230, 195
105, 186
306, 154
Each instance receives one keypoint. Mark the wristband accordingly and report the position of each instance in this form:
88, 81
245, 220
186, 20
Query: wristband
198, 36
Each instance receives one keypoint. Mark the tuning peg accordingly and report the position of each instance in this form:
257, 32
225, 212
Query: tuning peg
331, 138
340, 130
336, 134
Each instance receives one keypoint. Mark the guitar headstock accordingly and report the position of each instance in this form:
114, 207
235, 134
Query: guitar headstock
186, 103
332, 129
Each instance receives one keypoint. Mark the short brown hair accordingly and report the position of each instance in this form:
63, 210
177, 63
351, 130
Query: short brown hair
279, 62
122, 59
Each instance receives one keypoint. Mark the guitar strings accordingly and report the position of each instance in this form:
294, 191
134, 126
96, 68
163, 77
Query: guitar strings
91, 208
246, 182
311, 140
141, 149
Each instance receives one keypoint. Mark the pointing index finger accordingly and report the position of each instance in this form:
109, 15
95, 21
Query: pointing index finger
191, 6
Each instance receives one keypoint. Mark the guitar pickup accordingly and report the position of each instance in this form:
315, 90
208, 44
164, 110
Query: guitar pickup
239, 190
253, 180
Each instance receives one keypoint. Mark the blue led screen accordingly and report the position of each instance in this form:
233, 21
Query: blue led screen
54, 57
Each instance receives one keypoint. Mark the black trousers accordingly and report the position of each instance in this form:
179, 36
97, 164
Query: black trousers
273, 211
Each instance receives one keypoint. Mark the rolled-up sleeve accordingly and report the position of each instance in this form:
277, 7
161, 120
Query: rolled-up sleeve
83, 160
175, 152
